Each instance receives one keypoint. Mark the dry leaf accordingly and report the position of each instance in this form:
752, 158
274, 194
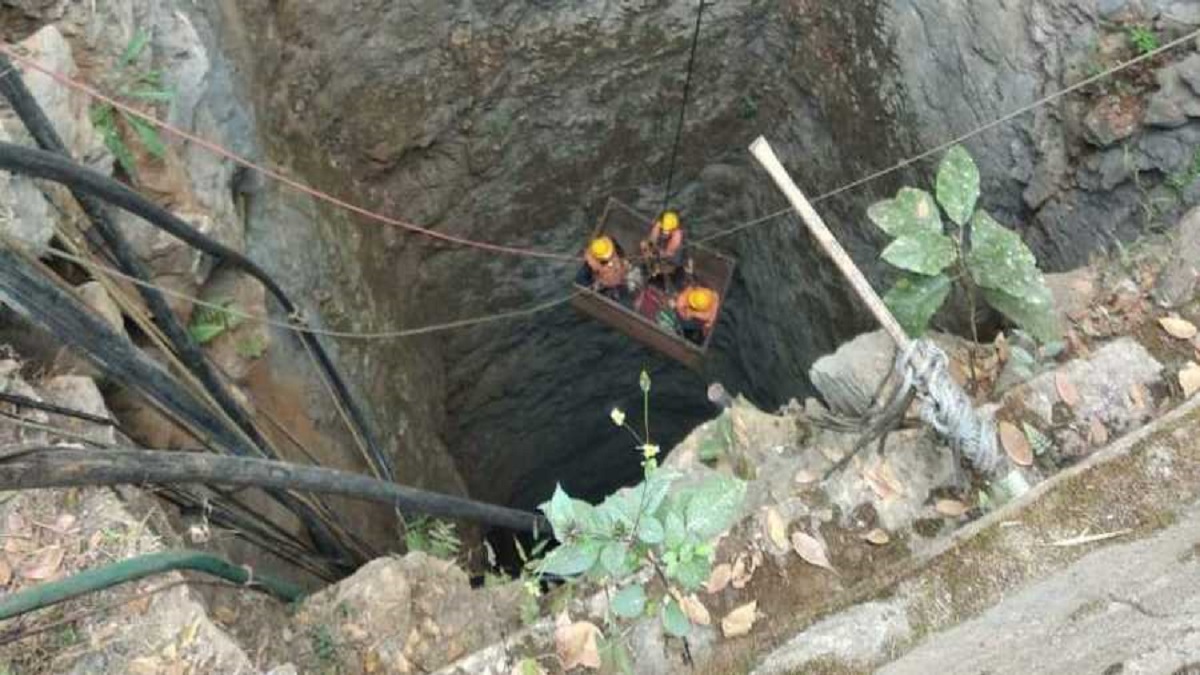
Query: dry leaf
740, 621
577, 645
1015, 444
741, 574
1189, 379
45, 565
883, 481
951, 507
64, 522
721, 576
1178, 328
1066, 389
5, 571
776, 529
811, 550
1001, 344
1097, 433
804, 476
694, 610
958, 373
1137, 396
877, 537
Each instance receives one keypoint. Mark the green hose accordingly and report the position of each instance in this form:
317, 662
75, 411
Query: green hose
100, 578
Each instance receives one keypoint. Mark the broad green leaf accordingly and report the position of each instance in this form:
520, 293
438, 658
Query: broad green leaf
999, 259
629, 602
571, 559
674, 531
135, 47
591, 520
645, 497
915, 299
650, 530
922, 252
713, 506
615, 656
958, 184
912, 211
1034, 311
147, 134
674, 621
693, 572
614, 556
203, 333
560, 512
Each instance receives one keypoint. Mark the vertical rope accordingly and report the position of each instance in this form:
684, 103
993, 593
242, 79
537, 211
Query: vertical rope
687, 86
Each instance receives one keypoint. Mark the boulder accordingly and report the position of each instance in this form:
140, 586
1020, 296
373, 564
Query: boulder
1176, 284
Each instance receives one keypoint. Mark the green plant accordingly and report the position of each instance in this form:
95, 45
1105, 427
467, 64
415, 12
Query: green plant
748, 107
438, 538
647, 527
980, 253
252, 346
208, 323
132, 86
323, 644
1183, 179
1143, 38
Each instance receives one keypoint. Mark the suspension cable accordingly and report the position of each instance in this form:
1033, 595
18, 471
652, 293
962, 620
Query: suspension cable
687, 85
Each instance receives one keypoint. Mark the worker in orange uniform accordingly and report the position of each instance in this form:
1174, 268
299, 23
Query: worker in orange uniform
608, 268
663, 249
697, 309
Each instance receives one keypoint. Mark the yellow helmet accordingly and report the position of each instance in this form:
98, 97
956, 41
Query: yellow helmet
602, 248
700, 299
670, 221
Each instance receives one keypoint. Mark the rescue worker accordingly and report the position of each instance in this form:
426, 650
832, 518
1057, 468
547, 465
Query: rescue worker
608, 268
697, 309
663, 249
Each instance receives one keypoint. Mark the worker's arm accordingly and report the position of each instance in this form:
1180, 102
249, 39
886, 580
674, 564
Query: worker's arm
673, 243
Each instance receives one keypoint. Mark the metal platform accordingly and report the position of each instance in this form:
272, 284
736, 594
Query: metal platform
628, 227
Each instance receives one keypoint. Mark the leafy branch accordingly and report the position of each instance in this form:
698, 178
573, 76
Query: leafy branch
984, 255
646, 527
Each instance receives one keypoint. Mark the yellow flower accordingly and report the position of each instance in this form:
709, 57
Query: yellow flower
650, 450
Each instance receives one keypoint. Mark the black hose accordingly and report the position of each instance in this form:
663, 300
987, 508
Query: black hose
91, 184
43, 132
56, 466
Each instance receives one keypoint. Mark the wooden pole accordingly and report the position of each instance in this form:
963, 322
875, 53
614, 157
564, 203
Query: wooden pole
766, 157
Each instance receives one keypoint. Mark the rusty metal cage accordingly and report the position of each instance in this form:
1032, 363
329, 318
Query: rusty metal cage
627, 227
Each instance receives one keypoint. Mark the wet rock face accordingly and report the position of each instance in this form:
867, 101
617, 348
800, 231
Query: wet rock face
515, 122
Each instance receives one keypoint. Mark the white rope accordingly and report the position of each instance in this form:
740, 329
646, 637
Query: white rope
946, 408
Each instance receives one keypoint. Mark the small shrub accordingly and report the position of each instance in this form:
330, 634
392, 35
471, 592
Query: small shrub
995, 261
132, 86
209, 322
1143, 38
643, 528
438, 538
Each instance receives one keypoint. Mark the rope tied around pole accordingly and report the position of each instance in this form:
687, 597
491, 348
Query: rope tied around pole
946, 408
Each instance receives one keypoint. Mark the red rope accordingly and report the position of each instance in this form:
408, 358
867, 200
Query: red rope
294, 184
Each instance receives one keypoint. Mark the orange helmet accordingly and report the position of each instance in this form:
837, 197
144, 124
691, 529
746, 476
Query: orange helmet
602, 248
701, 299
670, 221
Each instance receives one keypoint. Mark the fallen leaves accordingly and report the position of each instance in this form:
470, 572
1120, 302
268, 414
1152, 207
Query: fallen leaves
694, 610
740, 620
804, 476
1178, 328
811, 550
743, 570
883, 481
1097, 432
577, 643
45, 564
721, 576
1138, 397
776, 529
877, 537
1189, 379
1066, 389
950, 507
1016, 445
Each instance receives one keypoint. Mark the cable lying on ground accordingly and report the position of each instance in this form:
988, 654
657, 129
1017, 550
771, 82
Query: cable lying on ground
50, 466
